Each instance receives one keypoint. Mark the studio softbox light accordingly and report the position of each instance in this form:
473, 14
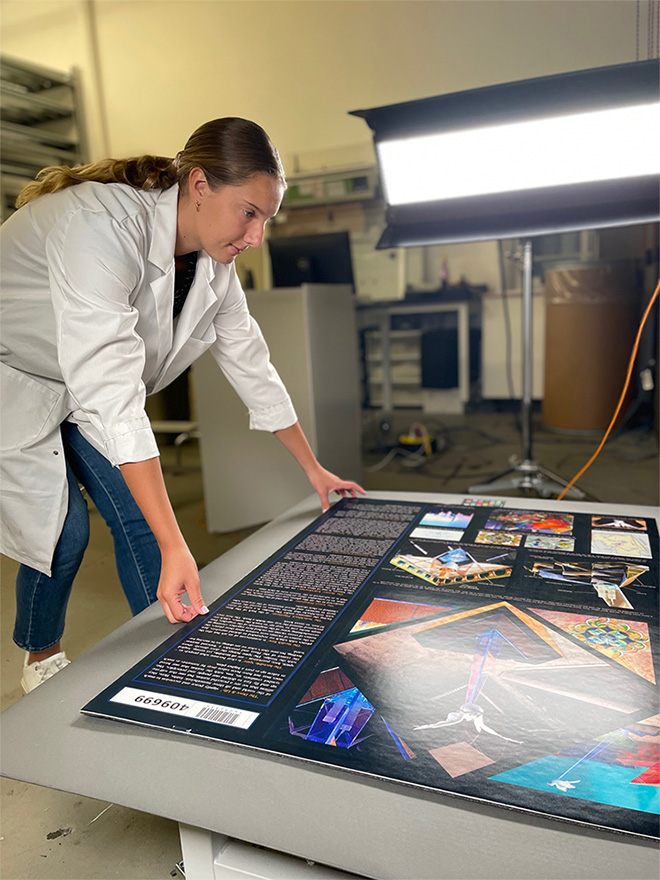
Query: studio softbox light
554, 154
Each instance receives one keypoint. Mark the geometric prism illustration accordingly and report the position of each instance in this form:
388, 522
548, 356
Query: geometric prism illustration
488, 645
626, 641
488, 636
342, 716
340, 720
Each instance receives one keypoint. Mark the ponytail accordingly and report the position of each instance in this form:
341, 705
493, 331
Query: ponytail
143, 172
230, 151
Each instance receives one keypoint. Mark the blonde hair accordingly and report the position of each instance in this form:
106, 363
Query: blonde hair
230, 151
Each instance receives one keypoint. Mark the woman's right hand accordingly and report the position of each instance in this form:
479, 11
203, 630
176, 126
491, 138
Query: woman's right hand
178, 576
178, 569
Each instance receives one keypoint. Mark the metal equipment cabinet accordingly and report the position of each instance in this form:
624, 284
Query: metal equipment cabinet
40, 125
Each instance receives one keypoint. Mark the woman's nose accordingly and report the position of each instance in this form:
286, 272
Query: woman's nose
255, 234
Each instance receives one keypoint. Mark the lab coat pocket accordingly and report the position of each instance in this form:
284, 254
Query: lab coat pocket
30, 409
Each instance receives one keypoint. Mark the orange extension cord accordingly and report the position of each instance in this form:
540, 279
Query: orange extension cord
621, 399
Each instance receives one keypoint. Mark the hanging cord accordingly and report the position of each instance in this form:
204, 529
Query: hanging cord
621, 399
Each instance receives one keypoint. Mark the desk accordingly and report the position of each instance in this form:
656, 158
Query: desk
381, 314
371, 827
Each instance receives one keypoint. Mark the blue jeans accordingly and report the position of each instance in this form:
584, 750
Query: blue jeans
41, 601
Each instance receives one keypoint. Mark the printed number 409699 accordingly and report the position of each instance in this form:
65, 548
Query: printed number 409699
164, 704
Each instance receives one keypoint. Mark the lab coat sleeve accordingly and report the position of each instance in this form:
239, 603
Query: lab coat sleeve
241, 352
94, 265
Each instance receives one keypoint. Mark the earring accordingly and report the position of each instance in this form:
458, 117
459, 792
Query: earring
197, 206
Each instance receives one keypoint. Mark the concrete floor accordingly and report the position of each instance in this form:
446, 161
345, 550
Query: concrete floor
48, 834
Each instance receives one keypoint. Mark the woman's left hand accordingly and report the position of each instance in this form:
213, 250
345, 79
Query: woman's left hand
323, 482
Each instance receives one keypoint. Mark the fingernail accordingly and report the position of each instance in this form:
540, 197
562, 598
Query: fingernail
205, 610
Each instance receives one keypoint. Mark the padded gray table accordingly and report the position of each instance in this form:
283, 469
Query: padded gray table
354, 823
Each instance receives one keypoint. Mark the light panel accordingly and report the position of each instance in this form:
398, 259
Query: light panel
576, 150
612, 144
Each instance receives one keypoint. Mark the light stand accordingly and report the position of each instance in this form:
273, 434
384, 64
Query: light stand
525, 473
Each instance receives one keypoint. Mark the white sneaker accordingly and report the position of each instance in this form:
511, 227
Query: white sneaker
38, 672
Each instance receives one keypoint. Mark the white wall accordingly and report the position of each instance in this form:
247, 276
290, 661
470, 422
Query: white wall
299, 66
154, 70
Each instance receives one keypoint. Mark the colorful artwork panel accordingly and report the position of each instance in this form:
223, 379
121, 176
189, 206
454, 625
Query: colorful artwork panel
625, 641
506, 539
607, 770
384, 612
603, 785
526, 521
621, 544
550, 542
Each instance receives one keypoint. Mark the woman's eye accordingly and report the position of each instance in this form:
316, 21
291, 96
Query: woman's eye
249, 214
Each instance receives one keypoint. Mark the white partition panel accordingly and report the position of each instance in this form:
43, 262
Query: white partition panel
248, 476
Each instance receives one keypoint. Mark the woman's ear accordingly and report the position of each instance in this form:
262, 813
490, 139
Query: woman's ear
197, 183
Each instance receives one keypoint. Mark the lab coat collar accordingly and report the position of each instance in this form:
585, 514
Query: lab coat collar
161, 255
163, 239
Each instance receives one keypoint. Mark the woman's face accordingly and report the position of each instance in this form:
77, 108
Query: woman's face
232, 218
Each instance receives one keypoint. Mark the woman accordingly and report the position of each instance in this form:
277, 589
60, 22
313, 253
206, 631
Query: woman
116, 277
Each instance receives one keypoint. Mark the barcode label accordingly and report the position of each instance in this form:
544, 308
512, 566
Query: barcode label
220, 716
159, 702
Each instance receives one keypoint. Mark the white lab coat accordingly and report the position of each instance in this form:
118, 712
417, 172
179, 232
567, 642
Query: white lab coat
87, 332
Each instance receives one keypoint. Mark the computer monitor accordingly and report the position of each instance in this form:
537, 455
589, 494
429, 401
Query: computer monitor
311, 259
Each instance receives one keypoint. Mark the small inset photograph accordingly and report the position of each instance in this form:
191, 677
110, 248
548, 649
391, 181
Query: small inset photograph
616, 584
433, 534
621, 544
446, 518
503, 539
550, 542
618, 523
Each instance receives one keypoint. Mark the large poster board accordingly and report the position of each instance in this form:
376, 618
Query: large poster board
509, 656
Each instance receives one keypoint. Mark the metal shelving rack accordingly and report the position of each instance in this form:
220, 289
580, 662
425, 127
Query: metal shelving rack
40, 125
